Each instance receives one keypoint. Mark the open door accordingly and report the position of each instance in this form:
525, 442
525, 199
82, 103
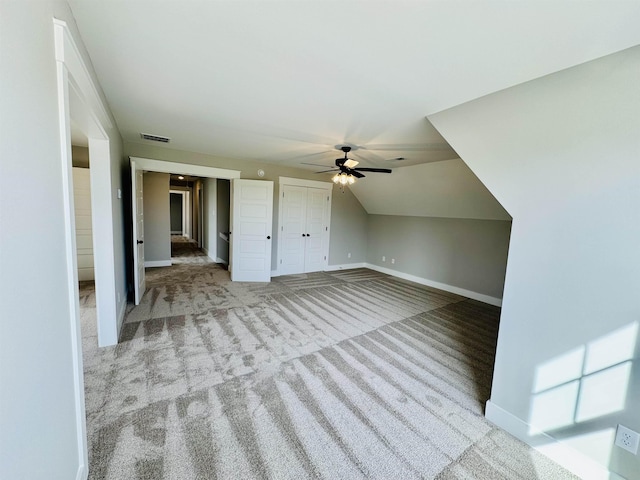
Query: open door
139, 282
251, 224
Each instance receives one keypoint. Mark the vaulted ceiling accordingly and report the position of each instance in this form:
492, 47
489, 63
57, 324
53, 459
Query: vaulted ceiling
287, 82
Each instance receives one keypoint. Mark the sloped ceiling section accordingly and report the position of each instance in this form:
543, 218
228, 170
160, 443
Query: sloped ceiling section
440, 189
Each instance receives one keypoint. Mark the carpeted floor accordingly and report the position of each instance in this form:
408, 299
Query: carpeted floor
350, 374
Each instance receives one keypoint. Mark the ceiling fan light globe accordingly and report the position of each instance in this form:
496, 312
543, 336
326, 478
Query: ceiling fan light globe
352, 180
336, 178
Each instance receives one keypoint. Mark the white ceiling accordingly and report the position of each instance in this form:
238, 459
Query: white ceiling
286, 82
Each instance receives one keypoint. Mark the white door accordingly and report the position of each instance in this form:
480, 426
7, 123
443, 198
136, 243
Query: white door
314, 253
139, 282
251, 224
293, 229
303, 229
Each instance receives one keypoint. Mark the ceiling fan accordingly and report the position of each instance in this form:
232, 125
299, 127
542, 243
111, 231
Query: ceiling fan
347, 170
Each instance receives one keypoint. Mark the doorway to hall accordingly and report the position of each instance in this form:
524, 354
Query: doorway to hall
185, 250
177, 214
199, 219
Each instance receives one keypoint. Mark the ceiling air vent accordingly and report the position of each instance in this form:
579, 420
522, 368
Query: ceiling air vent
154, 138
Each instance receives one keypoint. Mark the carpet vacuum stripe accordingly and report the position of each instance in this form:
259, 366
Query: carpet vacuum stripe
331, 375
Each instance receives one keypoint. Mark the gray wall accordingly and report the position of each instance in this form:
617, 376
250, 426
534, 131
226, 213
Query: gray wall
566, 166
39, 416
468, 254
348, 229
157, 231
80, 156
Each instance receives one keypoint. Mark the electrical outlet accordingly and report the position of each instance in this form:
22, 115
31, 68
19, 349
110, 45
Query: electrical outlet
349, 255
393, 260
627, 439
384, 259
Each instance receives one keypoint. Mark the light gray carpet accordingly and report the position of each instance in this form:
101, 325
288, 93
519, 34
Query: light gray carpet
348, 375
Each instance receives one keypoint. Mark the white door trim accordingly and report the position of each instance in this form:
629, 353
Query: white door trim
78, 98
300, 182
152, 165
184, 207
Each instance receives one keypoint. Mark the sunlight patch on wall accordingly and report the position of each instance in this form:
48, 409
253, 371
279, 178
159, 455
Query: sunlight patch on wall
554, 408
559, 370
585, 383
603, 392
614, 348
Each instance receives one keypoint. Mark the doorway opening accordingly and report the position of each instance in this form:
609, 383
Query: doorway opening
177, 206
200, 219
81, 175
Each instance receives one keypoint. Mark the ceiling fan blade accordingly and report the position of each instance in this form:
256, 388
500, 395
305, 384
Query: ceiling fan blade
378, 170
409, 147
349, 163
315, 164
325, 171
356, 174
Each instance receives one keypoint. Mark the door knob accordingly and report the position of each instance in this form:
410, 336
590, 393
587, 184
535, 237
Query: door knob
303, 235
139, 242
268, 237
308, 234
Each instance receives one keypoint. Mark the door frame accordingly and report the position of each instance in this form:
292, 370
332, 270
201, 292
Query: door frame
79, 100
299, 182
163, 166
183, 201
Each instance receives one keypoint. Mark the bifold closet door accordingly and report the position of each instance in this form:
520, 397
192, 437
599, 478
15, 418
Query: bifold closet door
303, 235
293, 235
314, 250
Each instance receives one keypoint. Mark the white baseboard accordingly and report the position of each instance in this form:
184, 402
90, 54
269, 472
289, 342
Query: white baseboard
558, 451
157, 263
422, 281
83, 473
219, 260
344, 266
442, 286
275, 273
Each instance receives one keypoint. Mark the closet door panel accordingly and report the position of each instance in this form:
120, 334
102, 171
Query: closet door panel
315, 225
293, 227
